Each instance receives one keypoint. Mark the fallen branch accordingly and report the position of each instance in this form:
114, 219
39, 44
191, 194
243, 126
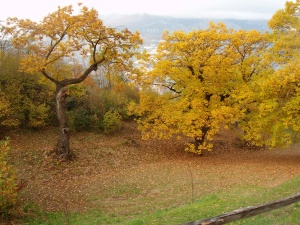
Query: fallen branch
247, 212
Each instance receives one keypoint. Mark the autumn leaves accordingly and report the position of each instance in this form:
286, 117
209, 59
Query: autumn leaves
219, 77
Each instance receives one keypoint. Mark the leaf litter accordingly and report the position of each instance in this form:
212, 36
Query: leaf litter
124, 175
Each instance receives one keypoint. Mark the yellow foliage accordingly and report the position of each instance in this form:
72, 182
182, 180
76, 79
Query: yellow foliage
21, 93
217, 77
8, 185
199, 74
285, 25
274, 117
55, 44
273, 99
38, 115
6, 118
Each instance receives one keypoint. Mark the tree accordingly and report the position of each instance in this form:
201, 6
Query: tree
5, 45
51, 44
274, 97
198, 75
274, 101
6, 110
285, 25
28, 95
24, 99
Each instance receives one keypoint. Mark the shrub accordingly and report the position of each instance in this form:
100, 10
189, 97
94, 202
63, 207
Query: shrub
112, 122
80, 120
8, 182
25, 99
87, 105
6, 117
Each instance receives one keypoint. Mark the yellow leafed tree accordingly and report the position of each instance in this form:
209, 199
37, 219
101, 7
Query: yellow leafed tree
51, 44
274, 98
197, 75
275, 108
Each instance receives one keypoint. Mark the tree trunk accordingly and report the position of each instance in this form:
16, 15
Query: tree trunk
199, 140
62, 148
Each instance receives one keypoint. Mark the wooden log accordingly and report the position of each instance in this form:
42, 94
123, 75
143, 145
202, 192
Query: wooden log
246, 212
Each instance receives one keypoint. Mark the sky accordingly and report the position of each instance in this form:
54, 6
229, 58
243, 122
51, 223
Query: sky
238, 9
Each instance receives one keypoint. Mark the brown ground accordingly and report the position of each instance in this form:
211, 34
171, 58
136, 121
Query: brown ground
120, 173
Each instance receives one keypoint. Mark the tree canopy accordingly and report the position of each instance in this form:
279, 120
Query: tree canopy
219, 77
274, 120
198, 74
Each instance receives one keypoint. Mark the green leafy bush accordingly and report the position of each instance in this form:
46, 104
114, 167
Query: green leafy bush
82, 120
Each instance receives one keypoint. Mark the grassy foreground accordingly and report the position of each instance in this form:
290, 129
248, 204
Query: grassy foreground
207, 206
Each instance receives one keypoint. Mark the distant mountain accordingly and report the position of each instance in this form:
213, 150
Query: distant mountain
151, 27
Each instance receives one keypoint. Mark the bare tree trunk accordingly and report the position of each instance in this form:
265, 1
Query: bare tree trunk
62, 148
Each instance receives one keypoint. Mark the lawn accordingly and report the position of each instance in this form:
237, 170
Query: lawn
120, 179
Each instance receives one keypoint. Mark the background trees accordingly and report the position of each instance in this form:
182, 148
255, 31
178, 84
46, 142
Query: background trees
25, 99
58, 39
275, 116
88, 103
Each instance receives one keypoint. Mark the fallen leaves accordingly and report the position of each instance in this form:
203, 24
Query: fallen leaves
119, 177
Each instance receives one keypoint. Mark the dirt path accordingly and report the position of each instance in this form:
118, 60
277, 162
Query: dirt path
119, 173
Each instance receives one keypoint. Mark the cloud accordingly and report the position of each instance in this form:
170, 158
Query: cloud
255, 9
36, 10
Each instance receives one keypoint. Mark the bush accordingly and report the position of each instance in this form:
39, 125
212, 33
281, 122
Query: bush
112, 122
82, 120
8, 182
87, 105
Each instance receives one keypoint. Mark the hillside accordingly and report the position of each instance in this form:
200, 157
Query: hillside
151, 26
122, 177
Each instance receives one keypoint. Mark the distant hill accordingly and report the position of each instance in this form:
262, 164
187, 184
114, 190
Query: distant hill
151, 27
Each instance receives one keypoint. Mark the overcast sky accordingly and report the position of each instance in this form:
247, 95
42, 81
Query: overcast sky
242, 9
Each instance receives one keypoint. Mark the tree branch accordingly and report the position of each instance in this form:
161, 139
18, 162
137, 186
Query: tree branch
49, 77
93, 67
170, 88
57, 42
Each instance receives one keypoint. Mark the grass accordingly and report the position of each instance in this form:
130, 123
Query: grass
205, 207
